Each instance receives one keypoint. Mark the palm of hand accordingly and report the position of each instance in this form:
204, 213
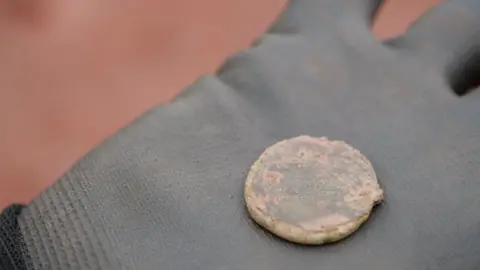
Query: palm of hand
319, 72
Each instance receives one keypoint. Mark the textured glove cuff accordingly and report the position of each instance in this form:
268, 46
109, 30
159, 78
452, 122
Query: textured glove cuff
11, 242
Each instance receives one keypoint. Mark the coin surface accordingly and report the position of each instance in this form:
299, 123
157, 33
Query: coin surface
311, 190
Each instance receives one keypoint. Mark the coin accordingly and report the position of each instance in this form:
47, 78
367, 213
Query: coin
311, 190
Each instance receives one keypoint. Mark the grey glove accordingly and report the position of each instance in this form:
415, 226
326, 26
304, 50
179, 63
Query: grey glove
166, 192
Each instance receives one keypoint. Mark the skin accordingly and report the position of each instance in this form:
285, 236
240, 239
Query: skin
74, 72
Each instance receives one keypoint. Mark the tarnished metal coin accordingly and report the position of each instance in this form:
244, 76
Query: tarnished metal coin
311, 190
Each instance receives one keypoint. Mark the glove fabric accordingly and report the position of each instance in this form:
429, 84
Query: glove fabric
166, 192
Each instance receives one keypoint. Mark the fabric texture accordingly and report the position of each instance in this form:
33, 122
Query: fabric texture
12, 247
166, 192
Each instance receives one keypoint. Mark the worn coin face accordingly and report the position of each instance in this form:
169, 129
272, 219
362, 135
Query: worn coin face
311, 190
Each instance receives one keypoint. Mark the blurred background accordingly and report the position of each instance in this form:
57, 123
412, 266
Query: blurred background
74, 72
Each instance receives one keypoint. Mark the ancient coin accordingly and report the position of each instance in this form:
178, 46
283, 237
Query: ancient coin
311, 190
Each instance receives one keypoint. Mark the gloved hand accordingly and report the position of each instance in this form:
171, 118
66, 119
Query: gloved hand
166, 192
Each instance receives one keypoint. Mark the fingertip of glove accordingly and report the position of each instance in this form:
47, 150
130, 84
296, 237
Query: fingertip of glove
448, 38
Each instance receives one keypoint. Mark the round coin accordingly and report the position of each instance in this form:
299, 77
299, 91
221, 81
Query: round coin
311, 190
